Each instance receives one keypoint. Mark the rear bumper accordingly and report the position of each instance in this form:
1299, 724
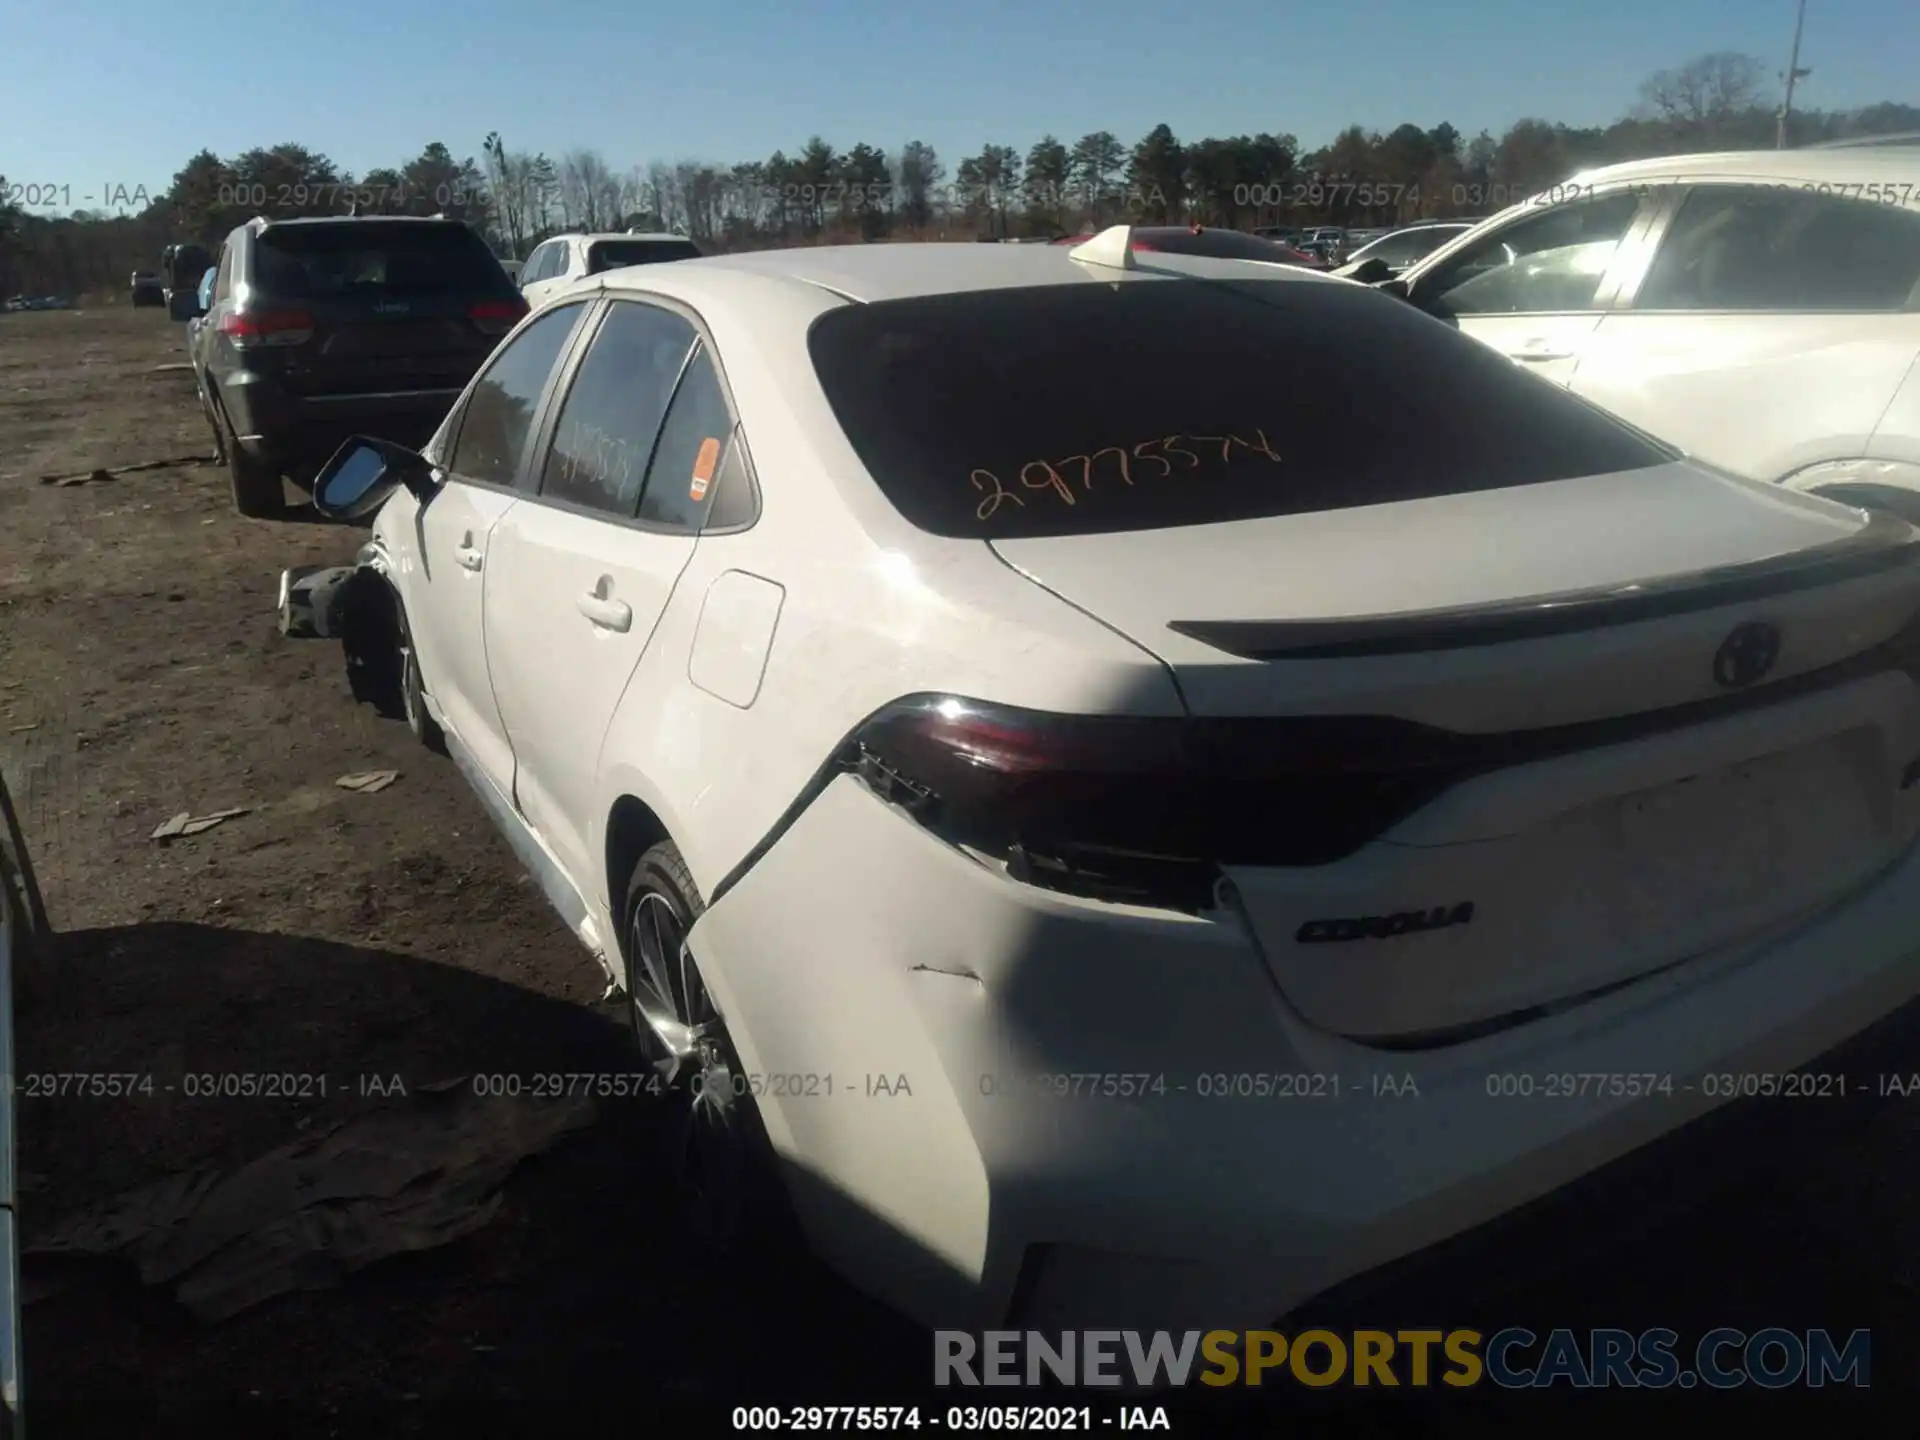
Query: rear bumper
899, 1002
301, 432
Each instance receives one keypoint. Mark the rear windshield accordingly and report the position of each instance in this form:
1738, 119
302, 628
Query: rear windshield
612, 254
362, 258
187, 263
1221, 244
1093, 408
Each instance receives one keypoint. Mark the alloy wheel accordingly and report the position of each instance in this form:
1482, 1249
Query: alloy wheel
676, 1019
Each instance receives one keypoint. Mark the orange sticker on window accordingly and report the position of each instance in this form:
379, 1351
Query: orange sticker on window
704, 464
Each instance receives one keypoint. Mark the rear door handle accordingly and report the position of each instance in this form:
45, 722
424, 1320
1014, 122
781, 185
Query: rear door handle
1541, 350
468, 557
608, 614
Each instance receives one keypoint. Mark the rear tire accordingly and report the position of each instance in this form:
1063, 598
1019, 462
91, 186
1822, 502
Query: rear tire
255, 483
728, 1176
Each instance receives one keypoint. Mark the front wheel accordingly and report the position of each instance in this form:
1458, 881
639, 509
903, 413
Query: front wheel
413, 687
726, 1171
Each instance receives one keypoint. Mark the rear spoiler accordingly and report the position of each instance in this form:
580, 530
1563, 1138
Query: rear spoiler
1883, 544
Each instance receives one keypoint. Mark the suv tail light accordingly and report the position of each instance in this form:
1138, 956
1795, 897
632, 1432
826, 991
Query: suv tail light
1147, 809
497, 317
267, 327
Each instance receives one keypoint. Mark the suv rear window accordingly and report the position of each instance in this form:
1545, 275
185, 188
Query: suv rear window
612, 254
1090, 408
358, 257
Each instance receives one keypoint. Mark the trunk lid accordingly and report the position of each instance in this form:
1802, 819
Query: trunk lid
1668, 683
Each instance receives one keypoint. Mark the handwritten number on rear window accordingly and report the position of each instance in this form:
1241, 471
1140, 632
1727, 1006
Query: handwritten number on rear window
1060, 477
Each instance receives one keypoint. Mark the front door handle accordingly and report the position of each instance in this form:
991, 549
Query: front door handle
1541, 350
608, 614
468, 557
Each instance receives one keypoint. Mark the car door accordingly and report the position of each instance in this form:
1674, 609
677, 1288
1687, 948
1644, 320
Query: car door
1772, 329
1536, 286
481, 470
582, 574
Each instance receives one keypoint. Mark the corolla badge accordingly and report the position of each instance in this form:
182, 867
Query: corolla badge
391, 307
1747, 654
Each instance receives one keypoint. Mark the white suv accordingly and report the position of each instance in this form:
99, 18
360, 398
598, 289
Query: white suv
557, 263
1761, 311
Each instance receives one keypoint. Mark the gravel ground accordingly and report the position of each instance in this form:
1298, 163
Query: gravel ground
391, 935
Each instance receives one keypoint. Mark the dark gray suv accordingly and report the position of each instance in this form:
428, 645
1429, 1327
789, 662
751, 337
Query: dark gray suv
319, 329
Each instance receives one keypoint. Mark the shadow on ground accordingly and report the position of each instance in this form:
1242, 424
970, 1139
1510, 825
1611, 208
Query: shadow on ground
584, 1307
583, 1298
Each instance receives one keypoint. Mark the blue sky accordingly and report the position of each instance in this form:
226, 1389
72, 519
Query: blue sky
103, 93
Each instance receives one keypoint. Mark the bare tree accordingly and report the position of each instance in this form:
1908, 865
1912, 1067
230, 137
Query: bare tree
1710, 87
589, 192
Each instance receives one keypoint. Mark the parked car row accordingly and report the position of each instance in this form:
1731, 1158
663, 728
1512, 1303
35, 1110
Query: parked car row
947, 675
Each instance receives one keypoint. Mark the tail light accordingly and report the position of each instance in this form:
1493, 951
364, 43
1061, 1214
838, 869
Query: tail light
267, 327
1147, 809
497, 317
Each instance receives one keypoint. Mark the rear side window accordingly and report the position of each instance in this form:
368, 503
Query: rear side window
693, 442
367, 258
1095, 407
1754, 247
605, 255
612, 413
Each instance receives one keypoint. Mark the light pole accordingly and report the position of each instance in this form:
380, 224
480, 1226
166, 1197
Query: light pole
1794, 72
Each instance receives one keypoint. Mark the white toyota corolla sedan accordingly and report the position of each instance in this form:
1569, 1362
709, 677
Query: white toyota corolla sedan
1144, 787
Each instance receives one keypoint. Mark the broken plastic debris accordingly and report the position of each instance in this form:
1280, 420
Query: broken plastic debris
368, 781
187, 823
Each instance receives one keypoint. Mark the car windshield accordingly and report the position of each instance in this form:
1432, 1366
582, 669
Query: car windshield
1163, 403
612, 254
310, 262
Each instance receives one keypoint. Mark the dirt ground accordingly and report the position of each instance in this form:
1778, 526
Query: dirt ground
392, 935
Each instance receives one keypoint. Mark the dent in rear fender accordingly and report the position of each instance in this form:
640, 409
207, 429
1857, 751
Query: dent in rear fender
877, 1121
862, 946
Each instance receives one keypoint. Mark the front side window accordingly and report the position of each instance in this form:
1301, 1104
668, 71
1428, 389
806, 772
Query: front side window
1550, 263
612, 413
1155, 403
493, 430
1757, 247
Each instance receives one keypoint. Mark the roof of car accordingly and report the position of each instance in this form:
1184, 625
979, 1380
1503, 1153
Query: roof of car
870, 273
625, 235
361, 220
1797, 165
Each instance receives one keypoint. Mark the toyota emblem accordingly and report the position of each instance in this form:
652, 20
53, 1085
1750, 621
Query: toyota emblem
1747, 654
